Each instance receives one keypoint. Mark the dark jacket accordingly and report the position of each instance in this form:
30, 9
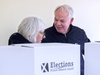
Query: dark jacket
17, 38
74, 36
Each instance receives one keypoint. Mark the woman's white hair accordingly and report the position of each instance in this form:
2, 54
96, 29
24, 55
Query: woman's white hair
30, 27
67, 8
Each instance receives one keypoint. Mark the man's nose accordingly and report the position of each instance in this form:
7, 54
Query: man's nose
58, 23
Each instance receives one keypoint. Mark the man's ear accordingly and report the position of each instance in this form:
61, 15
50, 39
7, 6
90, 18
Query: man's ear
71, 21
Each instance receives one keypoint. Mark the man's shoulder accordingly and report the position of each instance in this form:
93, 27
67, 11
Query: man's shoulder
50, 29
76, 28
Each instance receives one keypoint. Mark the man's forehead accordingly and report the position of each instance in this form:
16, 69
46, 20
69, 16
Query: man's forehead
60, 18
61, 15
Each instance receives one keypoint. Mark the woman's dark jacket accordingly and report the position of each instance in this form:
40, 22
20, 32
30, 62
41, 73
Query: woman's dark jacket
17, 38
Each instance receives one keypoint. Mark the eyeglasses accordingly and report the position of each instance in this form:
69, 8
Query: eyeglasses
42, 33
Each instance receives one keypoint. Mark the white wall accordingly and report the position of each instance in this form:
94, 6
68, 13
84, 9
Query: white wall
12, 12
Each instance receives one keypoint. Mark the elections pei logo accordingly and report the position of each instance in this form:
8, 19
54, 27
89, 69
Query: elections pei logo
45, 67
57, 66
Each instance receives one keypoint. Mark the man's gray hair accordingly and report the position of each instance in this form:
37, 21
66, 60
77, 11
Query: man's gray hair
30, 27
67, 8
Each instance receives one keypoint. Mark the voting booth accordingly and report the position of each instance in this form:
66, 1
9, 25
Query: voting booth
40, 59
92, 58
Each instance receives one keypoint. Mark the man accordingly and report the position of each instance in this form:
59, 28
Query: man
63, 31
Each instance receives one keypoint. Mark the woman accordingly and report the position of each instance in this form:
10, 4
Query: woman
31, 30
